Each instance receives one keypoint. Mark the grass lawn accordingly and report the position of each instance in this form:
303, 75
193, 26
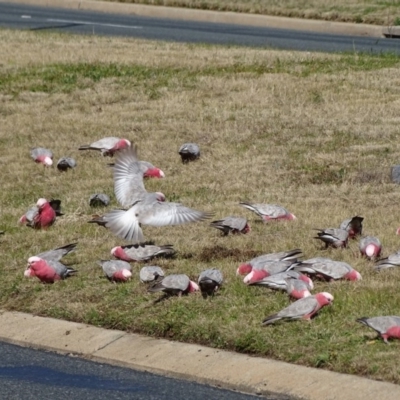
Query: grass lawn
359, 11
315, 133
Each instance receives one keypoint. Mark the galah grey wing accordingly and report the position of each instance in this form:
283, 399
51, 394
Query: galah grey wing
150, 273
59, 268
66, 162
271, 210
142, 252
31, 214
299, 308
99, 199
105, 143
277, 281
58, 253
172, 284
112, 266
281, 256
274, 267
380, 324
41, 151
189, 152
332, 269
211, 276
390, 262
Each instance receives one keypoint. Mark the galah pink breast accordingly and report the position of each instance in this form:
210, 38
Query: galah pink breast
189, 152
210, 281
353, 226
108, 146
370, 247
42, 156
116, 270
392, 261
387, 327
269, 212
47, 271
232, 225
304, 308
141, 252
176, 284
297, 288
333, 237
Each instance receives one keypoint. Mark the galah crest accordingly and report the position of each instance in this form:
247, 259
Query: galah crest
387, 327
116, 270
370, 247
189, 152
99, 200
47, 271
269, 212
151, 273
108, 146
353, 226
141, 252
392, 261
210, 281
176, 284
42, 156
66, 163
232, 225
334, 237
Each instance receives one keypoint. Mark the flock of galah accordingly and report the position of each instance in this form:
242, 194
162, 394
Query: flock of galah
279, 271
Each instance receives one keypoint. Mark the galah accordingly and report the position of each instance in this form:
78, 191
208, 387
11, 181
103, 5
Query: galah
58, 253
328, 269
269, 212
176, 284
334, 237
353, 226
276, 281
42, 216
42, 156
297, 288
141, 252
116, 270
47, 271
151, 273
210, 281
150, 171
65, 163
232, 224
189, 152
370, 247
108, 146
388, 326
99, 200
392, 261
304, 308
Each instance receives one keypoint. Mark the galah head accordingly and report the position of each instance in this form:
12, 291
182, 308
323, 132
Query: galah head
154, 173
324, 298
47, 161
160, 196
193, 287
255, 275
41, 202
122, 275
291, 217
353, 276
372, 250
244, 269
34, 263
123, 144
246, 229
119, 252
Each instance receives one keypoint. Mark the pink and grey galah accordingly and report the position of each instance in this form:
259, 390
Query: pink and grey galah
334, 237
141, 252
151, 273
176, 284
232, 225
210, 281
327, 269
370, 247
189, 152
42, 156
353, 226
116, 270
304, 308
276, 281
392, 261
47, 271
386, 326
108, 146
40, 217
66, 163
269, 212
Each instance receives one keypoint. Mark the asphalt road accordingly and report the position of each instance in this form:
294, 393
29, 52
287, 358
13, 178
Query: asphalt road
32, 374
21, 16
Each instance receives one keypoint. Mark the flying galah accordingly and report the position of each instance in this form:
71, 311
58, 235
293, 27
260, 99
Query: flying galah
42, 156
334, 237
328, 269
370, 247
116, 270
108, 146
47, 271
276, 281
210, 281
141, 252
269, 212
151, 273
42, 216
175, 285
388, 327
99, 200
304, 308
189, 152
392, 261
65, 163
353, 226
232, 224
58, 253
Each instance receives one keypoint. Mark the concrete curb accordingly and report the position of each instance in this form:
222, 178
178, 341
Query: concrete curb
220, 17
189, 361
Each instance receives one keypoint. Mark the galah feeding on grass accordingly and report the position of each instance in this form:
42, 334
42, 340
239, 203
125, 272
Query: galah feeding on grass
189, 152
328, 269
232, 224
40, 217
47, 271
370, 247
392, 261
388, 327
141, 252
210, 281
269, 212
99, 200
116, 270
42, 156
353, 226
334, 237
267, 269
58, 253
304, 308
151, 273
276, 281
177, 284
65, 163
108, 146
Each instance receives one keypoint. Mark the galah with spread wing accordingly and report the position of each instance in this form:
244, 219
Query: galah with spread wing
58, 253
304, 308
232, 224
141, 252
189, 152
108, 146
334, 237
47, 271
40, 217
388, 326
42, 156
176, 284
116, 270
353, 226
276, 281
210, 281
99, 200
269, 212
392, 261
370, 247
151, 273
66, 163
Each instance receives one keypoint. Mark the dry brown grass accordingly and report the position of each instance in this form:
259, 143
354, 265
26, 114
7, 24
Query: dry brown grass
316, 133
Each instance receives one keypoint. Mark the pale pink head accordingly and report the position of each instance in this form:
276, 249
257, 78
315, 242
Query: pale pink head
41, 202
372, 250
154, 173
118, 252
291, 217
123, 275
324, 298
353, 276
255, 275
160, 196
193, 287
244, 269
123, 144
398, 231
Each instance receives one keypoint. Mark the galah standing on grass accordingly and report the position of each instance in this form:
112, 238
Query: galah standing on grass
58, 253
232, 224
370, 247
175, 285
151, 273
65, 163
108, 146
304, 308
42, 156
276, 281
189, 152
99, 200
210, 281
388, 327
141, 252
392, 261
269, 212
40, 217
116, 270
47, 271
353, 226
334, 237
